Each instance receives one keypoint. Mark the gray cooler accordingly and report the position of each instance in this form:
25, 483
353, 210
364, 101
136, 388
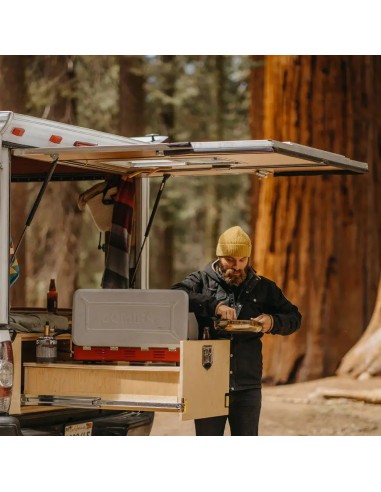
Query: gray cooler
132, 318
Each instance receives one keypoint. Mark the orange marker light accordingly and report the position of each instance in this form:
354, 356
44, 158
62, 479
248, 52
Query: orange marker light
19, 132
55, 139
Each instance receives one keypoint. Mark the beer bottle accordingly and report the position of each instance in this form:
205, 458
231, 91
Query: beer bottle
52, 297
206, 334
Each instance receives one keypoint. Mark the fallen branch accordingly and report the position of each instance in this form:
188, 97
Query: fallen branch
370, 396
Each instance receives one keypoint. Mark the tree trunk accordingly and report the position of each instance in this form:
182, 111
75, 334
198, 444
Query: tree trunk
318, 237
131, 96
364, 359
131, 104
13, 98
163, 257
257, 82
214, 193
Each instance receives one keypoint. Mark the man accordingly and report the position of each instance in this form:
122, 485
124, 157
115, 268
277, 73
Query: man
229, 288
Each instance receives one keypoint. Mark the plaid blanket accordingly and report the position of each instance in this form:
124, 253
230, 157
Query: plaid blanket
116, 274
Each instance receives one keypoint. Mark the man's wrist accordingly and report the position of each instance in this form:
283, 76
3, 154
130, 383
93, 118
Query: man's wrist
216, 309
271, 324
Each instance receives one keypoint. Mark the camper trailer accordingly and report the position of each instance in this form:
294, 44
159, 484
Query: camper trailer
123, 351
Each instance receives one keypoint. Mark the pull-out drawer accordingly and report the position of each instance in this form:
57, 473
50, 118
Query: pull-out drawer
196, 388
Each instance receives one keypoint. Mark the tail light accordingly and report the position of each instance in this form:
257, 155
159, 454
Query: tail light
6, 376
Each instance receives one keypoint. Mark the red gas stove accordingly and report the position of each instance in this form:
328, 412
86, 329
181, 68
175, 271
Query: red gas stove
128, 354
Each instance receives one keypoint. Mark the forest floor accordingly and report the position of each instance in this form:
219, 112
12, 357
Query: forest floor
331, 406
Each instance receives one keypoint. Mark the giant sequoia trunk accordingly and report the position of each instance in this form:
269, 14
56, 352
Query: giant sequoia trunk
364, 359
318, 237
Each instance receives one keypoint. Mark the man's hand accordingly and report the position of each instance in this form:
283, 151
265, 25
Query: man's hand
226, 312
266, 321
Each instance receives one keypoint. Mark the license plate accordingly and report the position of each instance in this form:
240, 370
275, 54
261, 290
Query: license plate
79, 429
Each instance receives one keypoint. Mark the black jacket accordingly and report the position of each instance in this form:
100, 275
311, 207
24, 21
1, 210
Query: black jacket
257, 295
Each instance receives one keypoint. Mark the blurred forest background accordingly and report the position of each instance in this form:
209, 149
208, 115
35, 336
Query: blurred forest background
317, 237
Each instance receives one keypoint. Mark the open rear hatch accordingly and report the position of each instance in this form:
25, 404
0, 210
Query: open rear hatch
260, 157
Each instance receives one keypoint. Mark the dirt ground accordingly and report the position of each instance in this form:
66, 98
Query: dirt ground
314, 408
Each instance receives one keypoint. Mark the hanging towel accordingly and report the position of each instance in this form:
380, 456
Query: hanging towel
116, 274
99, 201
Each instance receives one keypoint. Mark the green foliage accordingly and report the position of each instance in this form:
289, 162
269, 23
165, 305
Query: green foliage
209, 101
188, 98
98, 92
194, 101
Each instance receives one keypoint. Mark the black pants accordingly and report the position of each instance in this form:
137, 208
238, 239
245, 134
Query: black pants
244, 411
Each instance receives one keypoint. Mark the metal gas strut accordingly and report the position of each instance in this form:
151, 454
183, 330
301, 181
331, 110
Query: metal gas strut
165, 177
37, 202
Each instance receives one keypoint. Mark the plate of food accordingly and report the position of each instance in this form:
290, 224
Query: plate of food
238, 325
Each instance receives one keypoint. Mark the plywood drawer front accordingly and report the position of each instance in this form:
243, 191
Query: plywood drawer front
92, 380
202, 389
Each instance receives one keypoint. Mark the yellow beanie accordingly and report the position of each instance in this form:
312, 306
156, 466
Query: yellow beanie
234, 242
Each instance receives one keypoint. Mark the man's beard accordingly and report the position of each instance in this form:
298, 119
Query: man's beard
233, 277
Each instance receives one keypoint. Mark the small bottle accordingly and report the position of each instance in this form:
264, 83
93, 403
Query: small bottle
46, 346
47, 329
206, 334
52, 297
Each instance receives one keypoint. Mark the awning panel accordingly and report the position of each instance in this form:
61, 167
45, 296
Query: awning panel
261, 157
